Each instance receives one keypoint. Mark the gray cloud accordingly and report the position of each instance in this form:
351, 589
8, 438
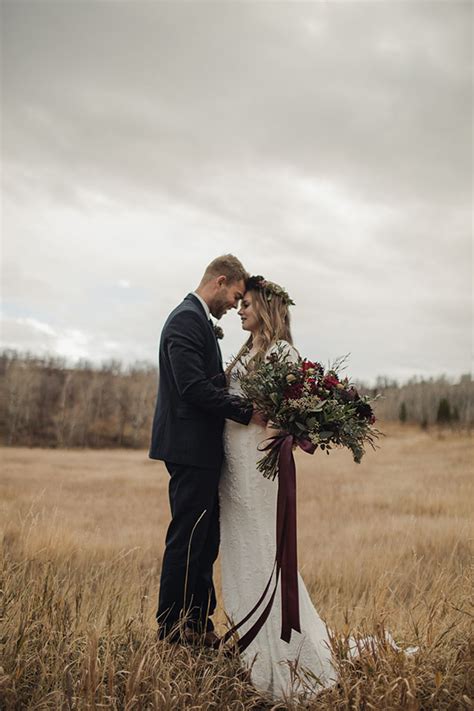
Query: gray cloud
327, 144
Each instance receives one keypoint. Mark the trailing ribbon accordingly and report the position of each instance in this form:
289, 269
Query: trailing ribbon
286, 562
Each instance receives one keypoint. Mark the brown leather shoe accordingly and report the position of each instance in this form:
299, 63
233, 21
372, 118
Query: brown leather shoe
211, 639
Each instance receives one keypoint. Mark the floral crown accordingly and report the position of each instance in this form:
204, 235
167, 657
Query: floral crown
269, 289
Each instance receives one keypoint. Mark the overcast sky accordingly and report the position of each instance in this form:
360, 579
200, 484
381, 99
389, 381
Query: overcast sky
326, 144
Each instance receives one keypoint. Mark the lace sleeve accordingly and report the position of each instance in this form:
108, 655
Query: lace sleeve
286, 348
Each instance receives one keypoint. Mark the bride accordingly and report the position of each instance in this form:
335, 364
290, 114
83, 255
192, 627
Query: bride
248, 514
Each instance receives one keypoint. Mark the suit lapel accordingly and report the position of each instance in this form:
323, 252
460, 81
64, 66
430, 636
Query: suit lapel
209, 325
219, 353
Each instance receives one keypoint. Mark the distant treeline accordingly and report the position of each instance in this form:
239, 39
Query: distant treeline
45, 402
435, 401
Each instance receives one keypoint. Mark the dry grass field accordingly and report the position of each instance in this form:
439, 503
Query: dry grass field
382, 545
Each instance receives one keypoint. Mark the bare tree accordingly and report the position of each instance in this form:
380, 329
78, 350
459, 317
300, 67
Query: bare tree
46, 403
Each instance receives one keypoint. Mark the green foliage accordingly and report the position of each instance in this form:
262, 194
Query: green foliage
403, 413
444, 416
314, 406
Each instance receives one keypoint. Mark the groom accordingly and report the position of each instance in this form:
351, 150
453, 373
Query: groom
191, 407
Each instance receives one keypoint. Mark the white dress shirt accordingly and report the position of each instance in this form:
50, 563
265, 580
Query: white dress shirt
204, 305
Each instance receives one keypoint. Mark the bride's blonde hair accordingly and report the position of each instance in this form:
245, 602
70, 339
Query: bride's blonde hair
273, 319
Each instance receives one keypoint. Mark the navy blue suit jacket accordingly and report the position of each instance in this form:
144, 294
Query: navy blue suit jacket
192, 401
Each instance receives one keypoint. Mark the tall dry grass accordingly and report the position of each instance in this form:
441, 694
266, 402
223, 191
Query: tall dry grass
382, 545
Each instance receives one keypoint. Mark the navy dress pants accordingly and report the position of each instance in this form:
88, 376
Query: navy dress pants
192, 544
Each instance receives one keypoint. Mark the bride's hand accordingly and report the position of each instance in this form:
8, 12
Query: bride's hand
258, 418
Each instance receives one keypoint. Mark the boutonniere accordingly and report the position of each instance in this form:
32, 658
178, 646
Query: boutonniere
218, 331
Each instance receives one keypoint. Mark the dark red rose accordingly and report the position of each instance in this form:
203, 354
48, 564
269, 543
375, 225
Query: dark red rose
293, 392
364, 411
351, 394
347, 395
310, 365
330, 381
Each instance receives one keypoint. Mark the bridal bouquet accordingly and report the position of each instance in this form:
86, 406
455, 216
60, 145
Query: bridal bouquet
315, 406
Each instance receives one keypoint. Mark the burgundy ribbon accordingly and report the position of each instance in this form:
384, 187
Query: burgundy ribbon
286, 559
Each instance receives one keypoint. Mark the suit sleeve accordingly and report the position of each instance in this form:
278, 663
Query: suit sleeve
186, 348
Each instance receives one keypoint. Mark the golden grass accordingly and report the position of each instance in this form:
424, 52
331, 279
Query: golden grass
382, 545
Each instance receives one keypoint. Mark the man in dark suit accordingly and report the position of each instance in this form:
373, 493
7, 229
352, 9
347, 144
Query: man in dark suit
191, 407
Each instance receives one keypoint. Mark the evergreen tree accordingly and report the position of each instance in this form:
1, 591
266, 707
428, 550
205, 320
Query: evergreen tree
402, 416
444, 412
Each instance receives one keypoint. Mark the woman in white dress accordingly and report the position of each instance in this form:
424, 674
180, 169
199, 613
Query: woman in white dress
248, 515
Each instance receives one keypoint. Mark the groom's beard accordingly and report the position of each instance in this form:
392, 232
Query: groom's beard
218, 309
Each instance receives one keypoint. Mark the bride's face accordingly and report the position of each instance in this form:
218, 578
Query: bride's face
247, 314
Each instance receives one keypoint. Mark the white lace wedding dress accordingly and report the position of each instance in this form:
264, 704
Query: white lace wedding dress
247, 554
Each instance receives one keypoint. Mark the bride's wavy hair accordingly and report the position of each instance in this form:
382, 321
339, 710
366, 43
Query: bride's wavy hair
273, 319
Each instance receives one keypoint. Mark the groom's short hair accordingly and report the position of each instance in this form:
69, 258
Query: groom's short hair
228, 266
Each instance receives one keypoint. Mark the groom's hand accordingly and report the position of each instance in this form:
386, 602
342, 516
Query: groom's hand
258, 418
